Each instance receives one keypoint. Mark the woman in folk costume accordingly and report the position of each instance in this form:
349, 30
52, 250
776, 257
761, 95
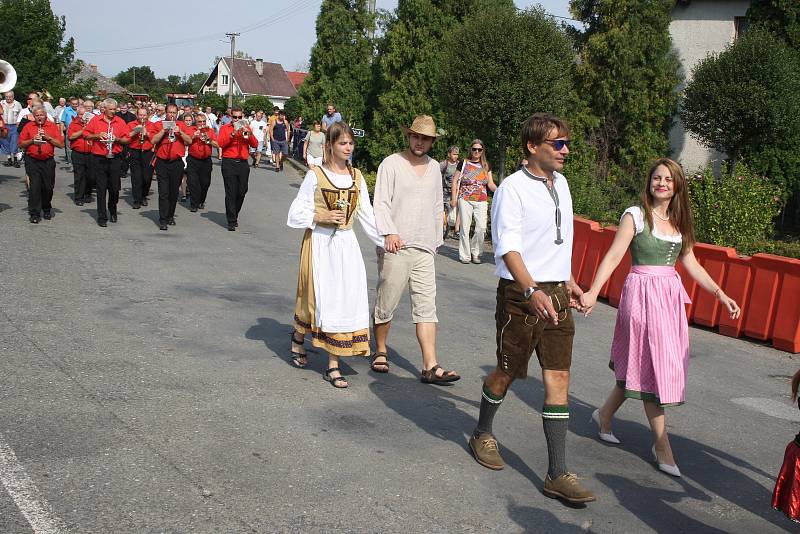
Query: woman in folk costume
650, 349
331, 300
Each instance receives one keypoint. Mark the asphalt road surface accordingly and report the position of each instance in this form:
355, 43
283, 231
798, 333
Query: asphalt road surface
146, 387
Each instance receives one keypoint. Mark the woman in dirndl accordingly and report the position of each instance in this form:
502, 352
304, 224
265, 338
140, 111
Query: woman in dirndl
650, 349
331, 303
786, 495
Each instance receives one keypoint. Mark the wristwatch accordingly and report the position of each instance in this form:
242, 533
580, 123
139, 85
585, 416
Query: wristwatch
530, 291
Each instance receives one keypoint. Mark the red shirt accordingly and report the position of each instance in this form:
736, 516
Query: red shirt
81, 144
100, 124
135, 144
198, 149
236, 146
43, 151
170, 150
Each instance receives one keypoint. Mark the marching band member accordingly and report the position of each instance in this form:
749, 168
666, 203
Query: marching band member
81, 155
141, 157
170, 146
234, 140
39, 138
198, 164
108, 133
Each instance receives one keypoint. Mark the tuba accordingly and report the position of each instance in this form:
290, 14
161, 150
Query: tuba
8, 76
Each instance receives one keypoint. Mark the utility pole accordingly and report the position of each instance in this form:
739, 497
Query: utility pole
230, 80
371, 10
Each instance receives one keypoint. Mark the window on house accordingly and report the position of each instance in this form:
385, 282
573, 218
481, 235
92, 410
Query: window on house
224, 79
740, 25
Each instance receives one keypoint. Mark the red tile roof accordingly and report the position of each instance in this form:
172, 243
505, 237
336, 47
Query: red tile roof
273, 81
297, 78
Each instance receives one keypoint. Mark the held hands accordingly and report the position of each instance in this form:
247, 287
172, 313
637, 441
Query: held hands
575, 294
587, 301
330, 217
393, 243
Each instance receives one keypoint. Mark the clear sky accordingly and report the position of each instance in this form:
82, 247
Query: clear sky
280, 31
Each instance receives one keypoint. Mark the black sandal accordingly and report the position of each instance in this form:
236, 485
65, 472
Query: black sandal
337, 380
380, 367
430, 376
297, 355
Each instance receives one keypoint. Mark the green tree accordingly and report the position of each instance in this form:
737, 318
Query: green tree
482, 89
257, 102
340, 67
782, 17
35, 46
627, 74
406, 70
217, 102
743, 99
141, 77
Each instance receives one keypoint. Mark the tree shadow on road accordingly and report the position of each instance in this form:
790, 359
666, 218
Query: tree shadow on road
701, 463
216, 217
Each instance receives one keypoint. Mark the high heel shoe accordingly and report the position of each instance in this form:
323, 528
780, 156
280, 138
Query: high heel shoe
608, 437
670, 469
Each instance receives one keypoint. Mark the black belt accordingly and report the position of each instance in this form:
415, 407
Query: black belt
198, 159
106, 157
169, 160
235, 159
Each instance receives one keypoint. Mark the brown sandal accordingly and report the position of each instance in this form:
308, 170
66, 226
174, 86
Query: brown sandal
339, 382
380, 367
295, 355
430, 377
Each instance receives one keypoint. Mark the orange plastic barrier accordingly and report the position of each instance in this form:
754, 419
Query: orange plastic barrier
764, 295
715, 261
737, 286
594, 253
609, 234
785, 332
580, 241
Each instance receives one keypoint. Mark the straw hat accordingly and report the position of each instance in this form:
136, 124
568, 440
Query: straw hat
422, 125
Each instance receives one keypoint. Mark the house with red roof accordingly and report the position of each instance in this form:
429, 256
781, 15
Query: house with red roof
251, 77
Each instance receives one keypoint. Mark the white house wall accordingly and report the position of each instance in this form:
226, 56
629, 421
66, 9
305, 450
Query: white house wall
697, 29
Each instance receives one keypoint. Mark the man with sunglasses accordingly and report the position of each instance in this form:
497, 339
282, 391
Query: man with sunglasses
235, 141
532, 238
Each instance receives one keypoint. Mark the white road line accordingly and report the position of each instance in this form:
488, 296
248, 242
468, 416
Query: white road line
25, 493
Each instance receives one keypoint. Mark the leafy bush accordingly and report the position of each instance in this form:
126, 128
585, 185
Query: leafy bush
790, 249
735, 210
370, 178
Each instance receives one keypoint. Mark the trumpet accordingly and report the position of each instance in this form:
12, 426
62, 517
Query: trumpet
204, 137
110, 142
39, 139
143, 132
242, 123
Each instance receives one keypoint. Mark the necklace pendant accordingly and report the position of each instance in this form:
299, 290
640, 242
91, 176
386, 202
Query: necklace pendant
559, 241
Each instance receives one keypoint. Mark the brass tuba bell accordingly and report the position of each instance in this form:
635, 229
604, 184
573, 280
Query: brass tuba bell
8, 76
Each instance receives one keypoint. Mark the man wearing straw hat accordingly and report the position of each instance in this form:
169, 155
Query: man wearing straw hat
408, 213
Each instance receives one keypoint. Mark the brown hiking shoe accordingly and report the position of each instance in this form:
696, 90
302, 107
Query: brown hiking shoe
568, 488
484, 448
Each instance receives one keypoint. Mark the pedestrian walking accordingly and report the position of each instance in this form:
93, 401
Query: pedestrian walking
280, 134
331, 303
650, 349
532, 237
313, 146
235, 140
38, 139
408, 213
448, 168
9, 145
472, 182
260, 129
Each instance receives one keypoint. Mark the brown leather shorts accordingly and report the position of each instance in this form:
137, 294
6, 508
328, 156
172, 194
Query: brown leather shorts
519, 333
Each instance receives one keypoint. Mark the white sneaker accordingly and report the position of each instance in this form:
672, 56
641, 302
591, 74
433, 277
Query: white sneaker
670, 469
608, 437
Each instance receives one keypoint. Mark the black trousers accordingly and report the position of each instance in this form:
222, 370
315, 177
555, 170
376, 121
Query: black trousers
235, 175
169, 173
198, 177
80, 170
108, 178
43, 179
141, 173
125, 155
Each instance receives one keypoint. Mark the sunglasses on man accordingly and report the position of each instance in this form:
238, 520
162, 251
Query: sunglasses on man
558, 144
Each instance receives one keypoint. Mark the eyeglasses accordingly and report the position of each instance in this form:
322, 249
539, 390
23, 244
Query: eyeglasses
558, 144
477, 149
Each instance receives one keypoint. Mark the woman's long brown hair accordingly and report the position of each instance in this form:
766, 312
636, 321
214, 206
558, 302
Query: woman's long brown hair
679, 209
484, 161
335, 131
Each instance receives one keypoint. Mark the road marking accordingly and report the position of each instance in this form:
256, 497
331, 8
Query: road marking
25, 493
781, 410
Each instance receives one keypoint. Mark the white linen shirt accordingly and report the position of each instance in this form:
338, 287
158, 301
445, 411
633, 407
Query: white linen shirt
524, 221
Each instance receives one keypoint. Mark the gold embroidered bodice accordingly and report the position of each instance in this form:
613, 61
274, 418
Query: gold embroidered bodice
328, 197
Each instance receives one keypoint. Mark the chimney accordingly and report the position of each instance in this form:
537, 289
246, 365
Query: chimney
260, 66
93, 67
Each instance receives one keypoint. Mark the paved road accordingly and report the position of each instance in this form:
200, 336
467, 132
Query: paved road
145, 387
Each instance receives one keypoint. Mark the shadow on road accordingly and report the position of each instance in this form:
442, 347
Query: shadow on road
701, 463
216, 217
532, 519
4, 207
